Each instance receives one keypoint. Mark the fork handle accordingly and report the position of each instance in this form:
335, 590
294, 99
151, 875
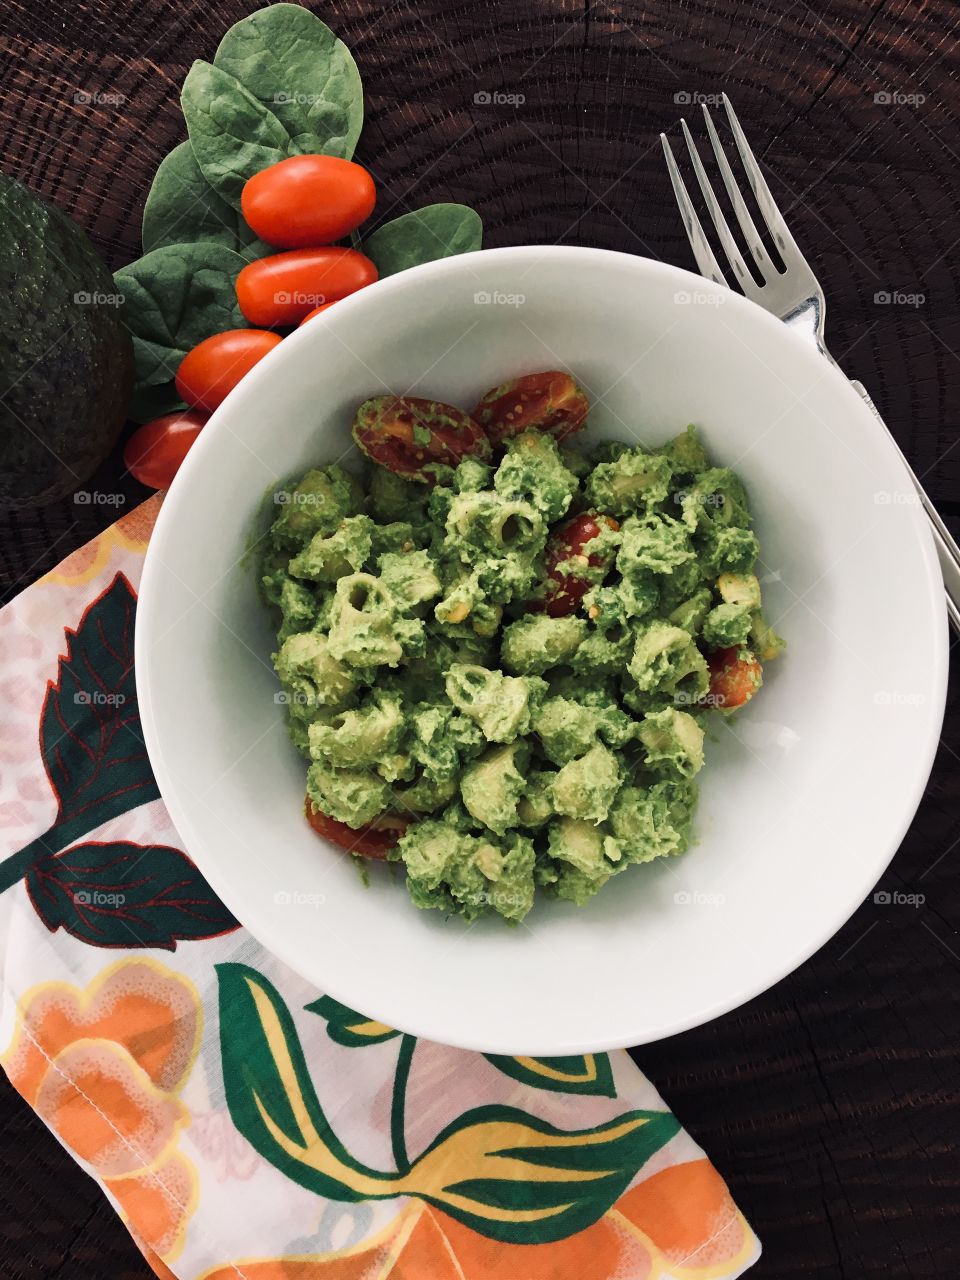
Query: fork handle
948, 553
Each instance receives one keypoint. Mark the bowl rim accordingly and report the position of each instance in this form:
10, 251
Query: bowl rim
216, 435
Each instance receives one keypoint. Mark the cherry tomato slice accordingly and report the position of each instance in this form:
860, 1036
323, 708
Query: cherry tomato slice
550, 402
305, 201
372, 840
209, 372
408, 435
154, 452
282, 289
735, 676
315, 312
566, 590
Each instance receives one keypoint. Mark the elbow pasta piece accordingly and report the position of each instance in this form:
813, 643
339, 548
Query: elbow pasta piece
328, 557
534, 471
489, 524
361, 736
533, 644
667, 660
501, 705
634, 482
316, 505
673, 741
491, 787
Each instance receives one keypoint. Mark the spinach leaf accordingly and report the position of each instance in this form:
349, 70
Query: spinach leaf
182, 206
147, 403
298, 69
175, 297
437, 231
233, 135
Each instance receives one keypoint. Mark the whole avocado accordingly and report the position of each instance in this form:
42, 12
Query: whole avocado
66, 357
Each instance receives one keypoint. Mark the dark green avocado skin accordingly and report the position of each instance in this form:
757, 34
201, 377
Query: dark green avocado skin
66, 357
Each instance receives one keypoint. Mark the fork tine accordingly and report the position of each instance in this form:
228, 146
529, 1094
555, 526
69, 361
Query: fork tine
708, 264
758, 185
734, 256
747, 224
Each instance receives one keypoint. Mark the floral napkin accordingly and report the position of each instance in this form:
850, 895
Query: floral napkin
244, 1125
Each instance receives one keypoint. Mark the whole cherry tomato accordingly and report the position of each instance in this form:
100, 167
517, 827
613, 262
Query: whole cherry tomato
283, 288
735, 676
372, 840
209, 372
154, 452
315, 312
306, 201
408, 435
566, 590
550, 402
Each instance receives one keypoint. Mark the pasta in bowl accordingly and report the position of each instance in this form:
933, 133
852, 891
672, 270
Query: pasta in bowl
497, 650
806, 790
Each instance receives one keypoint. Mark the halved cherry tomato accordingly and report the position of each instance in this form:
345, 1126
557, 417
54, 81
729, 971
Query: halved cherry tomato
550, 402
306, 201
372, 840
154, 452
283, 288
407, 435
209, 372
735, 676
315, 312
566, 590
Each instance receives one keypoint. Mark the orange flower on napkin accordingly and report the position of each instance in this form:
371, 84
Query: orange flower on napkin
103, 1066
679, 1222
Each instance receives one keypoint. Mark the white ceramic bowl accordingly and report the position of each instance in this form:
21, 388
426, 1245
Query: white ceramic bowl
806, 794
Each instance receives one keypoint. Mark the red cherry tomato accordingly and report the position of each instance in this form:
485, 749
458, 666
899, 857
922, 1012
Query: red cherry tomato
549, 402
566, 590
735, 676
372, 840
406, 434
209, 372
154, 452
306, 201
315, 312
282, 289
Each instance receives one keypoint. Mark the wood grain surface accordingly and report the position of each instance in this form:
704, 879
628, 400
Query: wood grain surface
831, 1102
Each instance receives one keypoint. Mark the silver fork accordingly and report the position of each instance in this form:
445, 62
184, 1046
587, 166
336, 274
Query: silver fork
793, 295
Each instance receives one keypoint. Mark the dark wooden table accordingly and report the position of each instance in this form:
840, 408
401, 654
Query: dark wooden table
830, 1103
